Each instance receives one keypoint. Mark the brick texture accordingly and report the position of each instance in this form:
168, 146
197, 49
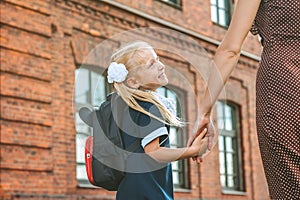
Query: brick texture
43, 42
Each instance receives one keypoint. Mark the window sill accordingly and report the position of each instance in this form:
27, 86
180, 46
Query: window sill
177, 6
182, 190
234, 192
87, 185
219, 25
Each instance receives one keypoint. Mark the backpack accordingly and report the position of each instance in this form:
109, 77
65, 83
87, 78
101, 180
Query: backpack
105, 155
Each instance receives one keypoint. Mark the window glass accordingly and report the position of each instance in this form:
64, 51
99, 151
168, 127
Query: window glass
223, 180
228, 118
221, 3
90, 91
230, 182
229, 144
80, 139
98, 88
81, 127
81, 173
214, 15
221, 11
173, 137
229, 163
180, 176
231, 170
221, 143
228, 110
82, 86
176, 180
173, 2
222, 163
222, 17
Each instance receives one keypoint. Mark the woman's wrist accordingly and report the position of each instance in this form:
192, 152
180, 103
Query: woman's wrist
205, 112
205, 117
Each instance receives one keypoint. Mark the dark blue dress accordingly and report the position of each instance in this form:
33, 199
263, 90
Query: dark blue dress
145, 178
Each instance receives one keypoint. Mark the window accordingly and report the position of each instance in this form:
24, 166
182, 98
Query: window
90, 90
177, 139
221, 11
231, 171
176, 3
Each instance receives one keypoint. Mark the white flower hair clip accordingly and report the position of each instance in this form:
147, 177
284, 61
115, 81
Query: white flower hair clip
116, 72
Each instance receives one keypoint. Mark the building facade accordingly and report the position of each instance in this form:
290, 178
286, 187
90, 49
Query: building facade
53, 57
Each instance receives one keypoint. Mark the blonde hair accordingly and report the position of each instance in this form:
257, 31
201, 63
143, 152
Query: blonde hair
128, 56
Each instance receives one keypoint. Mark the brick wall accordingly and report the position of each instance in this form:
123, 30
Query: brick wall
42, 43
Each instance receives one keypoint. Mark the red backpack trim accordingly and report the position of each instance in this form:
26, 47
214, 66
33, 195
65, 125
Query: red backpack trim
89, 158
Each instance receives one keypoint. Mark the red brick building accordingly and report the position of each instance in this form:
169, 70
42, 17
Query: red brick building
44, 44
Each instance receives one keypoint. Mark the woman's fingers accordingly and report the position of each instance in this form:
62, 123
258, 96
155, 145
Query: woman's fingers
203, 133
202, 125
190, 140
199, 160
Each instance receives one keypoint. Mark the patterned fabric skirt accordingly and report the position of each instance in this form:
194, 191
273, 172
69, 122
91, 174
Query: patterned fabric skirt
278, 117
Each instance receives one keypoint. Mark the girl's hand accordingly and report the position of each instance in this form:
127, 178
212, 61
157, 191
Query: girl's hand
202, 125
211, 138
199, 145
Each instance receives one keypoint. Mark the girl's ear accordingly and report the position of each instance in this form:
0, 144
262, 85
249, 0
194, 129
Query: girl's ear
132, 83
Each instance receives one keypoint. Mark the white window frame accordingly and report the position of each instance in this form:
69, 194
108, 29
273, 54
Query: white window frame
88, 97
230, 152
177, 139
221, 11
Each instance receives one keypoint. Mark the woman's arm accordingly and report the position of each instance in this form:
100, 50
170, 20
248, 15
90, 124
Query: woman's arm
224, 62
164, 154
228, 52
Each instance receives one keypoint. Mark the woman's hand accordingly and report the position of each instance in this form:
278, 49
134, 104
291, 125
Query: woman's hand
205, 123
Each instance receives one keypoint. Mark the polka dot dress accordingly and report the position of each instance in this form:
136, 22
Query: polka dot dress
278, 96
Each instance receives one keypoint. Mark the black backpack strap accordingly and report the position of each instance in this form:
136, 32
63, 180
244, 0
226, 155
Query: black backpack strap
133, 146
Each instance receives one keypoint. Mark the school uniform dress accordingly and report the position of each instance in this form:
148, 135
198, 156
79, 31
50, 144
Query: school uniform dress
278, 96
145, 178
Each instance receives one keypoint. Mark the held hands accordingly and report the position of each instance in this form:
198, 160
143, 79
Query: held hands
209, 140
199, 145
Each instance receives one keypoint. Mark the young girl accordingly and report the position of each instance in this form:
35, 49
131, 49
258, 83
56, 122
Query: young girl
136, 73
